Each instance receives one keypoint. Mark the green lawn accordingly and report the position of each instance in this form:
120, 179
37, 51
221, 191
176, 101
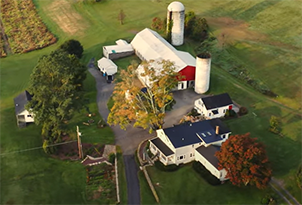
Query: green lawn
190, 188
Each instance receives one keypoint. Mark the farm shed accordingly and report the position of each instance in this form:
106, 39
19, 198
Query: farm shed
107, 66
121, 49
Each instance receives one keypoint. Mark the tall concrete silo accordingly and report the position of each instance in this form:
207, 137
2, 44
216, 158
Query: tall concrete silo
176, 13
202, 73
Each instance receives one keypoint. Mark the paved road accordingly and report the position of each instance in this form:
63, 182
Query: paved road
131, 170
130, 139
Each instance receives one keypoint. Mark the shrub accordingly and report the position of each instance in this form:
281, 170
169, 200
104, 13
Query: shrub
268, 199
112, 158
193, 113
230, 113
205, 174
243, 111
274, 125
168, 168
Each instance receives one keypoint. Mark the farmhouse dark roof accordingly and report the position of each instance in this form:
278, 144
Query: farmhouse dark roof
217, 101
21, 100
162, 146
223, 129
186, 134
209, 154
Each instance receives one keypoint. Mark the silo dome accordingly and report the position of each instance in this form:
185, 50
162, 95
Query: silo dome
176, 6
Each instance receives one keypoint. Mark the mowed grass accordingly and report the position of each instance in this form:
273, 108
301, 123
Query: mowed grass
190, 188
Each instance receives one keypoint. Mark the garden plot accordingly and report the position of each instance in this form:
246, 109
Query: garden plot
23, 27
100, 183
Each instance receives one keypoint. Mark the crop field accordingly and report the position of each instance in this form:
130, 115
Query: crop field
23, 27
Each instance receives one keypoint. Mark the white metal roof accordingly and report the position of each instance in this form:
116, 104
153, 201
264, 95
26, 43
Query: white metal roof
151, 46
106, 65
176, 6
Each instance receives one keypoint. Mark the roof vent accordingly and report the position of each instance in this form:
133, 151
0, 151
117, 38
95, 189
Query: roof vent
182, 139
190, 124
17, 105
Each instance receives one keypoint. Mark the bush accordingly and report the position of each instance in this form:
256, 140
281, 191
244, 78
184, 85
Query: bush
243, 111
193, 113
274, 125
230, 113
205, 174
168, 168
112, 158
268, 199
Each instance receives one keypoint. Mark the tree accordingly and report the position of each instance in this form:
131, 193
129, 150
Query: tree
57, 87
157, 24
245, 161
121, 16
73, 47
145, 107
195, 27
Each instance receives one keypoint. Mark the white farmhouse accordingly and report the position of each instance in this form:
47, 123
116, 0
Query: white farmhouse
23, 116
192, 141
213, 106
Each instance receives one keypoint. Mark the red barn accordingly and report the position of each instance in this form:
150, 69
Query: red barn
149, 45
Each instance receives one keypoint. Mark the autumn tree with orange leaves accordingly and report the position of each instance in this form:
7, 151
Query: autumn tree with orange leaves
245, 161
147, 107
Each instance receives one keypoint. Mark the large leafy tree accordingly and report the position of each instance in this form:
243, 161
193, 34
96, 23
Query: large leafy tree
73, 47
145, 107
57, 87
245, 161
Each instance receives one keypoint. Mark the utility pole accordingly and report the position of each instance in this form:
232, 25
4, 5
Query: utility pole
79, 143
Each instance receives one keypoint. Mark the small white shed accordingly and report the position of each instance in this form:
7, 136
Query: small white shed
107, 66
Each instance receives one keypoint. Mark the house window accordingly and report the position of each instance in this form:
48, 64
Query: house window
192, 145
28, 115
209, 114
182, 86
163, 157
224, 111
191, 155
181, 157
215, 112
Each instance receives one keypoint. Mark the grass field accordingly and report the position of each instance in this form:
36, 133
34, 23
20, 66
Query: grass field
265, 35
192, 189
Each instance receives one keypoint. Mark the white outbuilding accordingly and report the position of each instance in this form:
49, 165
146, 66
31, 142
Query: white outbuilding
106, 66
121, 49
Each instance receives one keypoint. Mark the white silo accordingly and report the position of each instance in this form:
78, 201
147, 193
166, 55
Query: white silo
176, 13
202, 73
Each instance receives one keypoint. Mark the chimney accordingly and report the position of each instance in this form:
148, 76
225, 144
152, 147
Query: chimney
217, 130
